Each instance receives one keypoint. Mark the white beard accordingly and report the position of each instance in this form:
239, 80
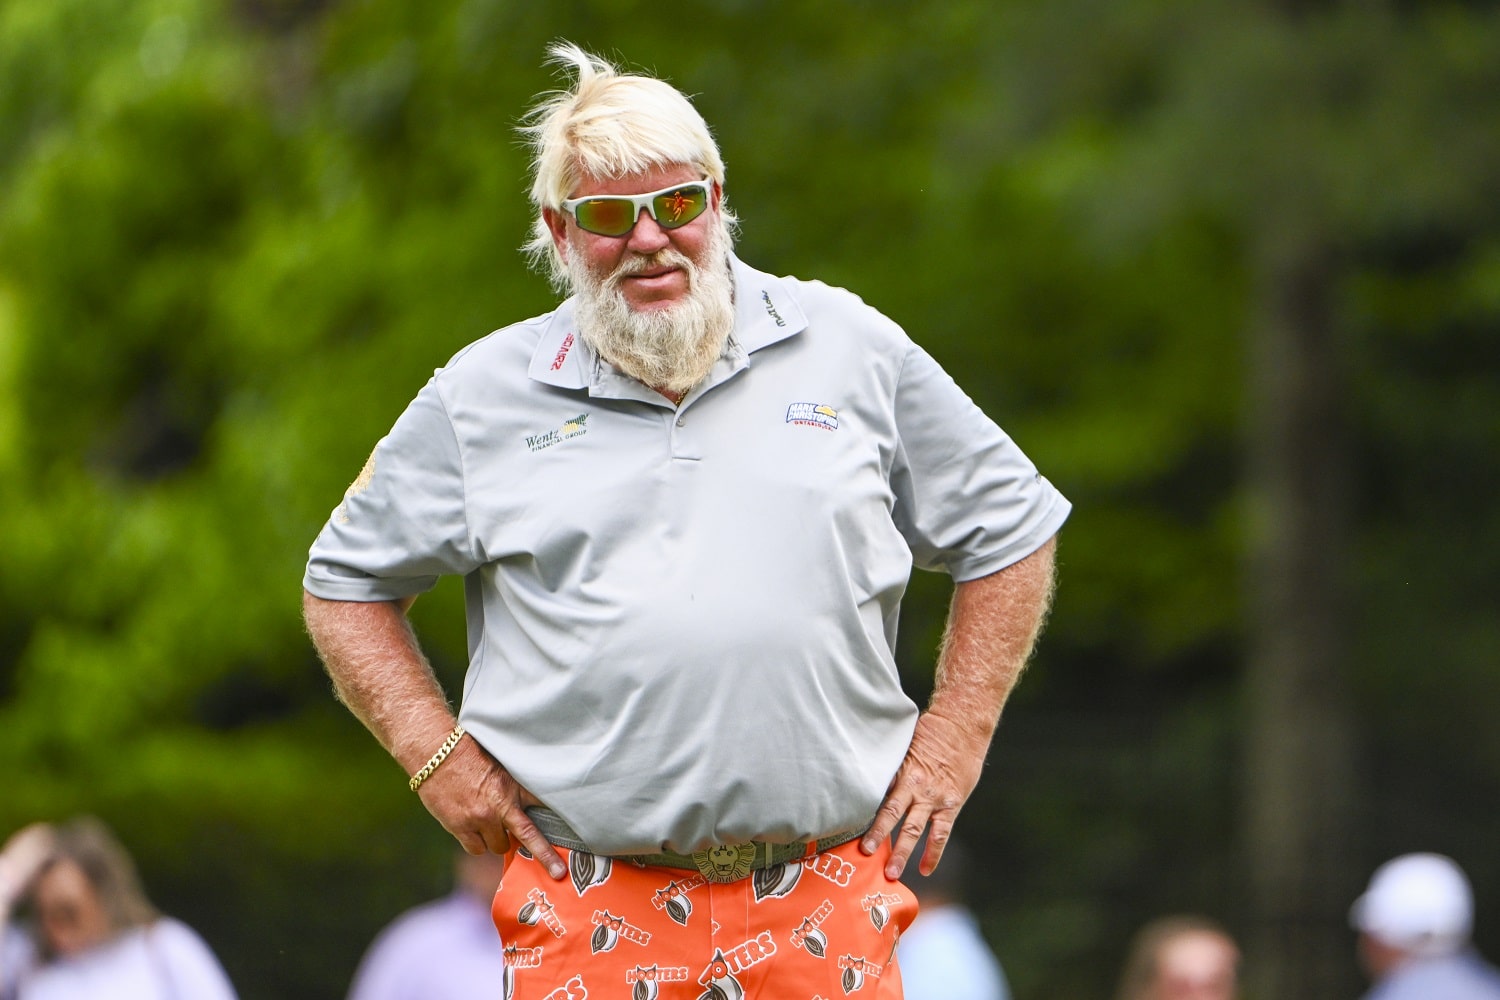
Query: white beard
670, 349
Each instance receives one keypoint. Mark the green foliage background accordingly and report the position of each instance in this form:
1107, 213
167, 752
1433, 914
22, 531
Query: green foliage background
236, 237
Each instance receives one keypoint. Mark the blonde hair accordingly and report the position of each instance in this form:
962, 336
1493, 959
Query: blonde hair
1138, 980
107, 865
608, 125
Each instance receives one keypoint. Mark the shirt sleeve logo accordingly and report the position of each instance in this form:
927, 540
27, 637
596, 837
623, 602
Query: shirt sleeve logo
813, 415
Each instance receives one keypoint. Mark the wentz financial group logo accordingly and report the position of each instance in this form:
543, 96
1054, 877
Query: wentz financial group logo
571, 428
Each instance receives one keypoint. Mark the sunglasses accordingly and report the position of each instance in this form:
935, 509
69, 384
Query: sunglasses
616, 215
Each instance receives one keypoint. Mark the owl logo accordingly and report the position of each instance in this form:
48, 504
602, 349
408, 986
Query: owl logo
776, 881
587, 870
607, 933
718, 982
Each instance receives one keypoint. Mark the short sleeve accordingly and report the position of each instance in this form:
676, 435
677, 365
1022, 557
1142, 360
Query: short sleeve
194, 969
402, 522
968, 500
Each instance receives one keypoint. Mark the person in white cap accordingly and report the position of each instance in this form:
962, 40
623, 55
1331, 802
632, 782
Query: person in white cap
1414, 922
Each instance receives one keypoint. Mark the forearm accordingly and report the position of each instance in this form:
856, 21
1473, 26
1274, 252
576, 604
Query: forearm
379, 673
993, 625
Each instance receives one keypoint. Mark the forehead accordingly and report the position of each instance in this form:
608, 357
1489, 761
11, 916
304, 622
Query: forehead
638, 183
62, 881
1197, 955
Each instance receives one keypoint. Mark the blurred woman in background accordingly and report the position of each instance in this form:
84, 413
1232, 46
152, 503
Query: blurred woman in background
1181, 958
86, 929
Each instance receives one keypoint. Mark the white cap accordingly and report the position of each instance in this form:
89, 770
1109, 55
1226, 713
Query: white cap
1419, 903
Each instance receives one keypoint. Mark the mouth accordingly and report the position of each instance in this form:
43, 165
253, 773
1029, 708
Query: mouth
653, 274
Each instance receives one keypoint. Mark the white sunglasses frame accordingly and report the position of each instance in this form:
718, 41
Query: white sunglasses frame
638, 202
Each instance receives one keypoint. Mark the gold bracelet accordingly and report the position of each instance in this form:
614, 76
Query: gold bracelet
437, 758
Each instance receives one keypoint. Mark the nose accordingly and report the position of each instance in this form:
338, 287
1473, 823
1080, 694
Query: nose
647, 237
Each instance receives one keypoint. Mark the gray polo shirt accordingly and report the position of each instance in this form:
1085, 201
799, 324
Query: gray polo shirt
682, 623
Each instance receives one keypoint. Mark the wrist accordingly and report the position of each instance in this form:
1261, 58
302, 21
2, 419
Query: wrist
426, 770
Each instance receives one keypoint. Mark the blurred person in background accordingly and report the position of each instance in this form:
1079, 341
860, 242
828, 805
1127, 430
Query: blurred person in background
91, 932
1414, 922
943, 955
443, 950
1181, 957
686, 505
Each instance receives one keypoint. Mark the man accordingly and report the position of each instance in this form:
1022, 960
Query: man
685, 504
1414, 922
442, 950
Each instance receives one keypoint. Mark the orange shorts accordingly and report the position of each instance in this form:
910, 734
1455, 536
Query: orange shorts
820, 928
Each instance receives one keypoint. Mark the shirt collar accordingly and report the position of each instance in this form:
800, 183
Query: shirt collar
765, 312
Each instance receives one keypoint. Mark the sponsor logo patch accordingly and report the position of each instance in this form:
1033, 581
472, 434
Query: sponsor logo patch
771, 309
813, 415
562, 352
571, 428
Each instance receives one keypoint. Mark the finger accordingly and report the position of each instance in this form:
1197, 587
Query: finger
897, 801
523, 829
906, 840
471, 842
938, 832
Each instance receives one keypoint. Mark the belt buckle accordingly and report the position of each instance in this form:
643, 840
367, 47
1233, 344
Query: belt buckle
725, 862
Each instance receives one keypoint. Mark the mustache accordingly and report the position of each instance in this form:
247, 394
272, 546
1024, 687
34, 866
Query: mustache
640, 263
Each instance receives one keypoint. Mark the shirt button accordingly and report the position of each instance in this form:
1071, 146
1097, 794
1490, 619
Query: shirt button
681, 421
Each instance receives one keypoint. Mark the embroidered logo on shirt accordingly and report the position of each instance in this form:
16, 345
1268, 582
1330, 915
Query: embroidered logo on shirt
562, 352
813, 415
771, 309
572, 427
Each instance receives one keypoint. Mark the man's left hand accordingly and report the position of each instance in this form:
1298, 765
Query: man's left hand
941, 768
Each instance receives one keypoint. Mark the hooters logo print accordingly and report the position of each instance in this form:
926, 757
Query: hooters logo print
718, 979
609, 929
856, 970
587, 870
719, 982
539, 910
673, 897
878, 906
830, 866
573, 989
517, 958
776, 881
645, 981
809, 935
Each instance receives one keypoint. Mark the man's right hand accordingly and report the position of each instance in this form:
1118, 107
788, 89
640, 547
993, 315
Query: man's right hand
477, 801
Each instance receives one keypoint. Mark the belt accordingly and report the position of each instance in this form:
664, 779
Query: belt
720, 863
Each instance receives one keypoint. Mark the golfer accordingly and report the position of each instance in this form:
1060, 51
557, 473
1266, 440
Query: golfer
685, 504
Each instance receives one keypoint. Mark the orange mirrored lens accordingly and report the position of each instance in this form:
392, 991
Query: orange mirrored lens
606, 216
678, 208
